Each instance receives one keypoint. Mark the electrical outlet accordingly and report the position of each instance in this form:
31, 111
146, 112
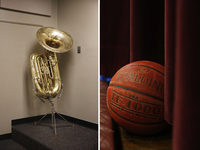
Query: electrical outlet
79, 49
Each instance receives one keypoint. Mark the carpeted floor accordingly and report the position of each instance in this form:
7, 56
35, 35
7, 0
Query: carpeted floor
9, 144
41, 137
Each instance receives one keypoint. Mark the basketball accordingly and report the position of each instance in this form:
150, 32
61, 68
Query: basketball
135, 98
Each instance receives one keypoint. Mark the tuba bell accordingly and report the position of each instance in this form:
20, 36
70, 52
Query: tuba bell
44, 68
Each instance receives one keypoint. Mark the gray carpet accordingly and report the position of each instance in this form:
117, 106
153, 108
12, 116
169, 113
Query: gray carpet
9, 144
41, 137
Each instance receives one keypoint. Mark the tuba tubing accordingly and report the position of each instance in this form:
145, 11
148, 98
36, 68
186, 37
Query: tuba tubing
42, 87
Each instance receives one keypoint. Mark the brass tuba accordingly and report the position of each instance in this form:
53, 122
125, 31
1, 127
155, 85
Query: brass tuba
44, 69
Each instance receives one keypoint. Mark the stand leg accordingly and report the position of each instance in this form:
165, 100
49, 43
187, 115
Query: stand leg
53, 119
42, 118
55, 126
63, 118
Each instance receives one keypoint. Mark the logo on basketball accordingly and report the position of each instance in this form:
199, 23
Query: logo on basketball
144, 70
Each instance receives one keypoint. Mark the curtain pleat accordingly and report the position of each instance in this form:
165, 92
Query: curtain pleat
170, 29
186, 123
147, 30
115, 36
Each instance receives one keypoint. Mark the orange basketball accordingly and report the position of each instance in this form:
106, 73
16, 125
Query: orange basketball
135, 98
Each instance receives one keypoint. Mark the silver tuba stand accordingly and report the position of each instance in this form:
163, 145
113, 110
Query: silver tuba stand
53, 112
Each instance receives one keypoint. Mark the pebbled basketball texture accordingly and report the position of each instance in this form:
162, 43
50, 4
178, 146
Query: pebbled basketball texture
135, 98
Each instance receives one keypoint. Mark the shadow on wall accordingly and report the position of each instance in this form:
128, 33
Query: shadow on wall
65, 61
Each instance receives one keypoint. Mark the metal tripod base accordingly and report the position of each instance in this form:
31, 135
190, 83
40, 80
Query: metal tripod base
53, 118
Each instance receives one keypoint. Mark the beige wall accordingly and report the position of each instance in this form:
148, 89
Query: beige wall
78, 71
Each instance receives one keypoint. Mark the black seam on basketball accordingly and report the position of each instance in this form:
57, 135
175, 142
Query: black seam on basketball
134, 121
147, 67
125, 109
136, 91
136, 99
